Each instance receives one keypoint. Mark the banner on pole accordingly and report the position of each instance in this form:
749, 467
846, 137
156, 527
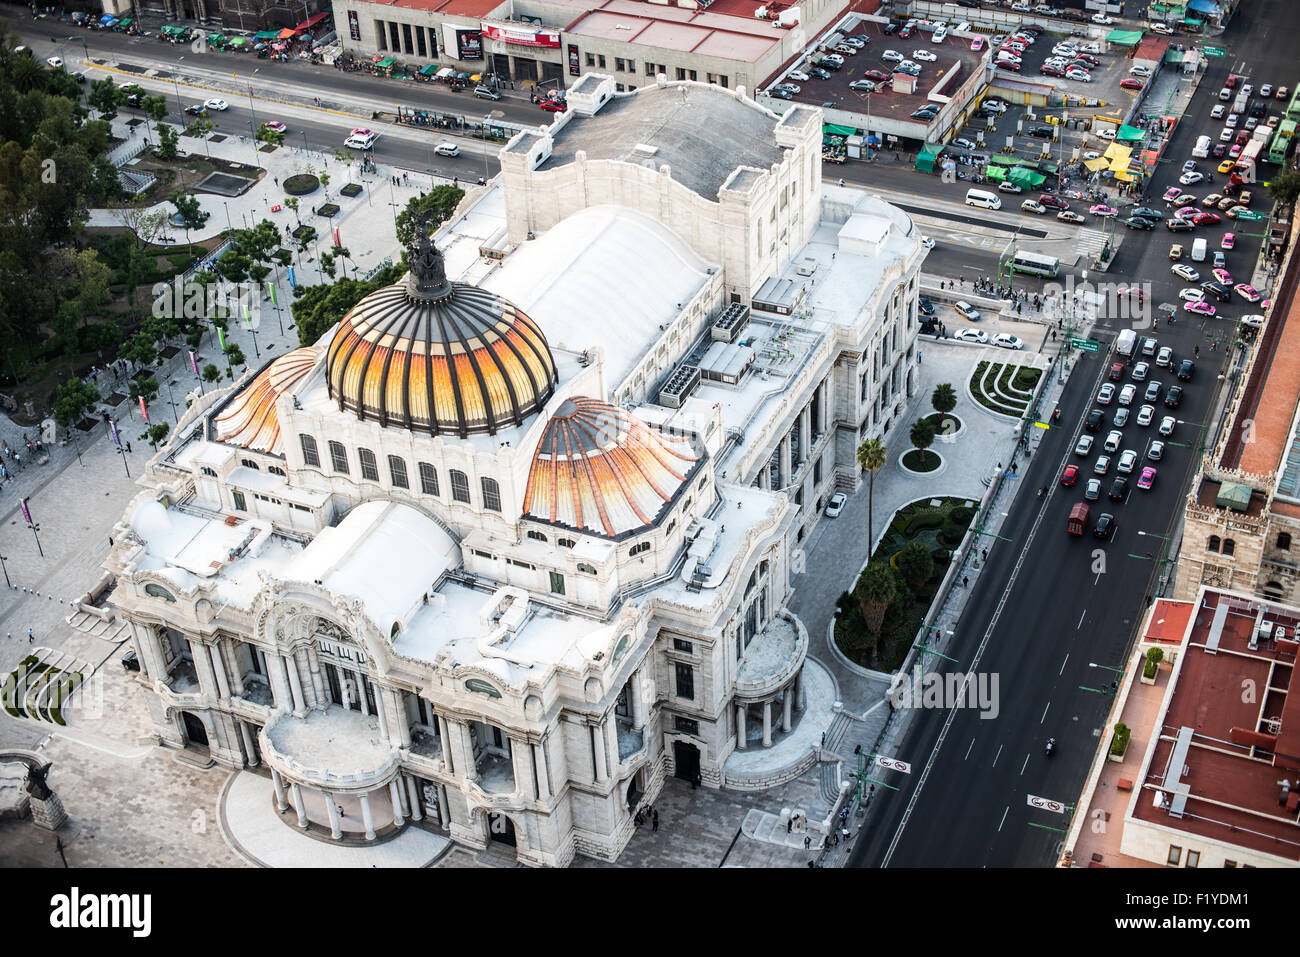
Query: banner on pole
274, 299
292, 282
221, 338
27, 515
117, 439
144, 411
194, 363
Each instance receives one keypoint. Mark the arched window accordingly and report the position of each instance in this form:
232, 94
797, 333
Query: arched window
565, 542
586, 569
275, 470
491, 494
397, 470
1284, 541
249, 464
459, 486
1229, 546
338, 457
1213, 544
1273, 591
428, 479
310, 454
638, 549
536, 535
209, 472
369, 470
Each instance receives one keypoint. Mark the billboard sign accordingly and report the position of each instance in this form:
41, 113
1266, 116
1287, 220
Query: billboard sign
354, 25
575, 68
522, 36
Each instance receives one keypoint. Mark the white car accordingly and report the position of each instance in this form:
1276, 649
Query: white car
1102, 19
799, 75
1183, 271
1191, 294
1107, 134
972, 335
1079, 75
836, 505
1127, 394
1032, 206
1253, 321
1146, 414
215, 104
1162, 28
1190, 179
1157, 451
55, 62
1127, 459
966, 310
924, 55
1006, 340
927, 242
361, 139
1167, 425
892, 56
1218, 111
447, 149
1113, 440
1232, 121
1226, 134
1139, 71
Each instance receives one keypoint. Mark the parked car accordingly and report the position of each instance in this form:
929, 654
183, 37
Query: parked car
1130, 83
1147, 478
971, 335
1007, 341
1145, 415
924, 56
966, 310
863, 86
836, 505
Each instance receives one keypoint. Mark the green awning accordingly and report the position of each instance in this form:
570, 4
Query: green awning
837, 130
171, 31
995, 174
385, 63
124, 22
429, 70
266, 35
216, 38
1124, 38
1025, 178
1129, 134
925, 158
238, 41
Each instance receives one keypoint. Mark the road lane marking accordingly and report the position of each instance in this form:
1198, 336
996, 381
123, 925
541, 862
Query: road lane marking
996, 756
1025, 765
1062, 671
1045, 710
1004, 817
1081, 617
968, 749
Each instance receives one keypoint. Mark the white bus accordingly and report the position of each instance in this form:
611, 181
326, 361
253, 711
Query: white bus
1035, 264
978, 197
1202, 148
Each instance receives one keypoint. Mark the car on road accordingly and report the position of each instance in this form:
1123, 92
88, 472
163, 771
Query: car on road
447, 149
1163, 28
1174, 397
1149, 346
361, 138
1102, 465
1247, 292
1140, 372
1119, 488
1146, 212
1220, 109
1167, 425
1222, 275
1226, 134
927, 242
1157, 450
1281, 93
1106, 394
1212, 200
925, 56
1121, 418
1092, 489
1127, 462
1190, 294
1188, 213
1116, 371
1190, 179
1200, 307
1152, 394
1228, 241
1145, 415
1201, 218
1070, 475
196, 109
1101, 209
1184, 271
1175, 252
1232, 121
1186, 369
1253, 321
1053, 202
1102, 20
1127, 394
1070, 216
216, 103
1217, 290
1171, 194
55, 62
1184, 199
863, 86
1031, 206
559, 106
1165, 357
1094, 420
275, 125
1266, 90
486, 92
966, 310
1139, 222
1176, 225
972, 335
836, 505
925, 305
1105, 526
1006, 340
1147, 478
1113, 440
1083, 448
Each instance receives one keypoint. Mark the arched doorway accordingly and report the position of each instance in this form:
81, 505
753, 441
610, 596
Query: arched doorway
500, 828
195, 732
686, 759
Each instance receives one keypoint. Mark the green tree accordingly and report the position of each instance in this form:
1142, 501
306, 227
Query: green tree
155, 108
189, 211
168, 141
922, 436
876, 588
263, 134
327, 265
234, 356
441, 202
292, 203
211, 373
143, 386
915, 564
74, 400
155, 434
944, 399
317, 308
200, 127
871, 457
105, 97
1285, 187
324, 178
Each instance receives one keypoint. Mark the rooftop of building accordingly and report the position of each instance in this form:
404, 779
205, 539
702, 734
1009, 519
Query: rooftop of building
682, 126
1216, 756
458, 8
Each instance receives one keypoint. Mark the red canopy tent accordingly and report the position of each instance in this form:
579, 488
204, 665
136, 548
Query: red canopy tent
286, 33
312, 21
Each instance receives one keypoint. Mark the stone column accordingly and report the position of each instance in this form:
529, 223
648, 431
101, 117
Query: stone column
231, 657
741, 741
401, 718
805, 433
783, 467
203, 667
322, 698
413, 794
787, 699
800, 697
638, 706
382, 713
611, 739
543, 775
444, 732
765, 475
279, 681
298, 804
395, 795
367, 818
597, 732
278, 783
219, 670
444, 810
401, 794
767, 723
295, 685
250, 748
520, 765
336, 827
360, 680
298, 661
148, 647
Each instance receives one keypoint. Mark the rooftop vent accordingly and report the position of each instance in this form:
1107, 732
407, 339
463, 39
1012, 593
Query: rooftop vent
731, 322
680, 384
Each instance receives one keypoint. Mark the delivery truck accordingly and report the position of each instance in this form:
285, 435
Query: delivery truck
1077, 523
1126, 342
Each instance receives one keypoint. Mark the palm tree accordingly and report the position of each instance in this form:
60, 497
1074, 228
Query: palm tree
875, 590
944, 401
871, 456
922, 436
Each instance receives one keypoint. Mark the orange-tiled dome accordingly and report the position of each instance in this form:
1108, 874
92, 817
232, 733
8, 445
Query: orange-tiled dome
249, 418
599, 469
439, 356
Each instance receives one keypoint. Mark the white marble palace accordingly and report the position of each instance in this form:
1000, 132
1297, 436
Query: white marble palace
514, 540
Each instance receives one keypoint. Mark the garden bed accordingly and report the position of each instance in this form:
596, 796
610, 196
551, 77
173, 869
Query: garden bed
1004, 389
329, 210
914, 460
352, 189
301, 184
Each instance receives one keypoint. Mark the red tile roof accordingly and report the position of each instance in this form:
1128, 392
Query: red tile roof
1168, 621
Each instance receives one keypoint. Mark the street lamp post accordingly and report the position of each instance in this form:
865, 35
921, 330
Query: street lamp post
5, 568
493, 115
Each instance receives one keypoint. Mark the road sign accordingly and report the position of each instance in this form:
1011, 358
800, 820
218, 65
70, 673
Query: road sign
1249, 216
1087, 345
893, 764
1046, 804
1212, 51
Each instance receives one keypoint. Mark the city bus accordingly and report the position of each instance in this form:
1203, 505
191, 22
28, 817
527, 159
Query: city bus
1035, 264
1277, 150
1293, 107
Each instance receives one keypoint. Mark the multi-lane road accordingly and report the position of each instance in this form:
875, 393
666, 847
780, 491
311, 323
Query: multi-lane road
1052, 613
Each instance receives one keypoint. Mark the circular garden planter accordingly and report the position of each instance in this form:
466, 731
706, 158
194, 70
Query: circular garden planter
301, 184
947, 425
912, 461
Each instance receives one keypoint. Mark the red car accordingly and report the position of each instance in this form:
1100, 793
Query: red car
1231, 81
553, 106
1205, 219
1070, 475
1116, 371
1131, 83
876, 75
1054, 202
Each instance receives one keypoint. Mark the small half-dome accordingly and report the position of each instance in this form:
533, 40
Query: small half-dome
600, 469
439, 356
250, 419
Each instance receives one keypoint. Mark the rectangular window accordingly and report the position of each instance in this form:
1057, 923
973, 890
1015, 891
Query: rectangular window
686, 725
693, 74
491, 494
631, 66
557, 583
459, 486
685, 682
310, 456
649, 69
601, 59
681, 73
722, 78
1175, 854
397, 470
591, 59
238, 497
428, 479
681, 644
369, 468
1193, 858
338, 457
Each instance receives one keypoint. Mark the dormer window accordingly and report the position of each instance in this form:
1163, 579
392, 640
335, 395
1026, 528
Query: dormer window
638, 549
249, 464
536, 535
209, 472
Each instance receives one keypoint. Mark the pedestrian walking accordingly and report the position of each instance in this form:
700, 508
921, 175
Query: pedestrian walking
128, 447
918, 356
654, 821
30, 636
807, 844
965, 581
277, 180
696, 782
823, 739
789, 826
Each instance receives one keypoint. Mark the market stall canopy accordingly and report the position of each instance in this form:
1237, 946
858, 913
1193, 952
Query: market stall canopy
445, 72
429, 70
1025, 178
1129, 134
1099, 163
266, 35
216, 38
1124, 38
313, 20
838, 130
925, 158
385, 63
107, 18
238, 41
285, 34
